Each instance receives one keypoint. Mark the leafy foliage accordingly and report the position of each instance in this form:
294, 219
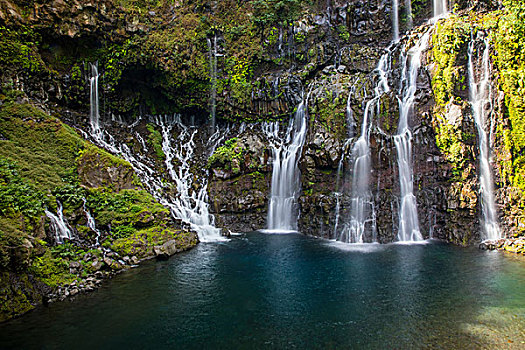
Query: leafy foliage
16, 194
510, 60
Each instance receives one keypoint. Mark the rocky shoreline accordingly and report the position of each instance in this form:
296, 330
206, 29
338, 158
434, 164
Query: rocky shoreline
110, 265
511, 245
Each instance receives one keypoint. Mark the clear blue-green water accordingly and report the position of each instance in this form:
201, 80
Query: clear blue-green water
291, 291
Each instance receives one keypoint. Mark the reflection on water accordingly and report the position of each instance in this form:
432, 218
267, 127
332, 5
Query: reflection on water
291, 291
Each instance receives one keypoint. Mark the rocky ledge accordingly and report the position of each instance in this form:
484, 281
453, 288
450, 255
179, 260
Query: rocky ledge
111, 264
512, 245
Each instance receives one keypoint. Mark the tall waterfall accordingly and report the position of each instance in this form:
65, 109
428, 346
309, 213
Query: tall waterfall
408, 217
212, 51
58, 224
350, 122
94, 115
395, 20
286, 182
480, 97
408, 13
362, 205
440, 8
191, 206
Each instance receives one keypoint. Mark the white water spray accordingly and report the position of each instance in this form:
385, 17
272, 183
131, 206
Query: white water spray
91, 223
480, 99
408, 217
94, 115
212, 51
440, 8
408, 12
59, 225
191, 206
395, 20
362, 206
286, 182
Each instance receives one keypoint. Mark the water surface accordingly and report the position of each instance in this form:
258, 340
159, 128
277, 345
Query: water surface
292, 291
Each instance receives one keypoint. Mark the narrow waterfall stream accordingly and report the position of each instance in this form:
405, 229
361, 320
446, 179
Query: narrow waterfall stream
94, 114
480, 97
362, 204
286, 182
408, 217
91, 223
191, 206
395, 20
408, 13
212, 51
59, 225
341, 174
440, 8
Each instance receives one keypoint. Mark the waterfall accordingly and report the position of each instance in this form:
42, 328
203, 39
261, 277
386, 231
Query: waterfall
350, 122
94, 115
91, 223
59, 224
440, 8
286, 182
395, 20
480, 97
362, 206
408, 217
191, 206
212, 50
408, 12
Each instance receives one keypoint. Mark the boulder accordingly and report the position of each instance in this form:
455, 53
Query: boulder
163, 252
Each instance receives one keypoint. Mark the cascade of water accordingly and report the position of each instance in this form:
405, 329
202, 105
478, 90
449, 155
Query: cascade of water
480, 97
408, 11
395, 20
286, 184
190, 206
440, 8
362, 206
91, 223
408, 217
94, 116
59, 224
212, 49
340, 168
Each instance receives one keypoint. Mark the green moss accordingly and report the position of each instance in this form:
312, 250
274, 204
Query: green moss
43, 148
17, 195
229, 156
141, 243
52, 270
329, 111
155, 139
510, 58
18, 50
15, 298
126, 208
449, 42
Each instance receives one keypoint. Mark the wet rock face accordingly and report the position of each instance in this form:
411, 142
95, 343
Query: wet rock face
239, 183
96, 171
325, 56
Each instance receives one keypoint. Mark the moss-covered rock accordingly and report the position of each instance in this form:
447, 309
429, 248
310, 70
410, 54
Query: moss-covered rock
43, 160
97, 168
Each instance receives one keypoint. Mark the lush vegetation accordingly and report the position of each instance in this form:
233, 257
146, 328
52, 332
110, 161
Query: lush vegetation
510, 60
229, 156
41, 161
